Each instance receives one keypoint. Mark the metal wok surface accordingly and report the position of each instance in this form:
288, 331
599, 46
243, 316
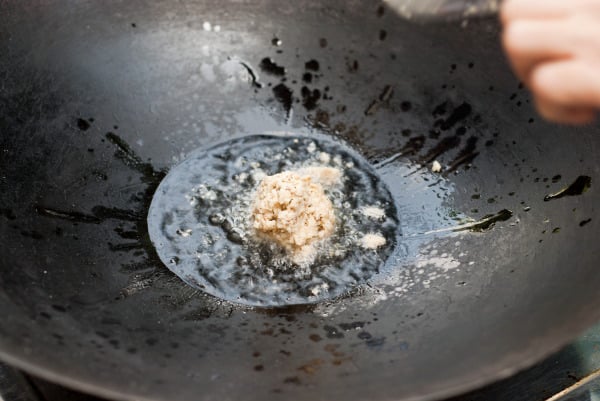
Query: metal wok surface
98, 100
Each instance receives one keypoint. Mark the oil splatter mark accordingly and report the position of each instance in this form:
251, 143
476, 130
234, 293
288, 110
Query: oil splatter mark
483, 224
82, 124
312, 65
578, 187
458, 114
312, 366
584, 222
310, 97
283, 95
384, 97
466, 155
270, 67
333, 332
99, 214
253, 75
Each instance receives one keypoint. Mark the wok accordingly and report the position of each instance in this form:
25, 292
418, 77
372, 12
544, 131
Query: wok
99, 99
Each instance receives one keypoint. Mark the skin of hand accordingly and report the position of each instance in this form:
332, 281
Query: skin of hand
554, 48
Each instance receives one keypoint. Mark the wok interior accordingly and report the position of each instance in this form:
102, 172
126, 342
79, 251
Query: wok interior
84, 298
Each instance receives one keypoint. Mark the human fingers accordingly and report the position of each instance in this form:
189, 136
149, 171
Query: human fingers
512, 10
573, 83
559, 113
528, 43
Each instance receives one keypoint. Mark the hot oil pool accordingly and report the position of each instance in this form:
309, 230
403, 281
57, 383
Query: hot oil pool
200, 222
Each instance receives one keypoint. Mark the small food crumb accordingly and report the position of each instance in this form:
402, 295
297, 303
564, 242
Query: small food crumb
326, 176
242, 177
373, 212
324, 157
311, 147
293, 211
258, 175
436, 167
372, 241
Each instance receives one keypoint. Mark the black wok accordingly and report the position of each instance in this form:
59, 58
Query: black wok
85, 300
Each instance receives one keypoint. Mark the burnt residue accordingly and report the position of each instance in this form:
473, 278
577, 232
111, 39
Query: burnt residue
333, 332
465, 156
458, 114
83, 124
352, 326
460, 131
67, 215
312, 65
270, 67
136, 216
315, 338
386, 93
310, 97
364, 335
582, 223
312, 366
124, 247
372, 108
578, 187
149, 175
488, 221
284, 96
292, 380
333, 350
440, 109
375, 342
126, 234
287, 311
106, 213
412, 146
483, 224
253, 76
383, 98
352, 65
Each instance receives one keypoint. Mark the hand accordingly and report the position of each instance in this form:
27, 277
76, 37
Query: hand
554, 48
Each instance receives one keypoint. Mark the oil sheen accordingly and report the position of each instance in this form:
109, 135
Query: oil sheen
200, 223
